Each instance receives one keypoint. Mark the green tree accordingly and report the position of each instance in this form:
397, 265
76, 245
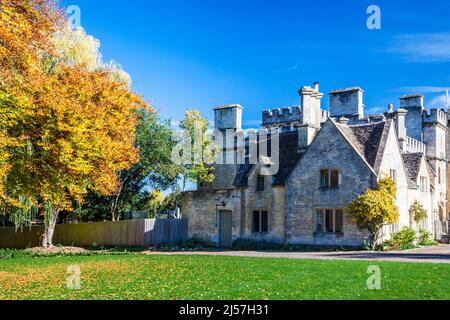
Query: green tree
199, 150
417, 213
155, 203
375, 209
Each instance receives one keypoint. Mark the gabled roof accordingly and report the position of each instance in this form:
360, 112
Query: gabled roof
289, 157
369, 140
413, 162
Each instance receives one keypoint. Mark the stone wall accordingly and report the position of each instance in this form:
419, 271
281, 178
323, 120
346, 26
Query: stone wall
424, 198
270, 200
304, 195
202, 207
393, 160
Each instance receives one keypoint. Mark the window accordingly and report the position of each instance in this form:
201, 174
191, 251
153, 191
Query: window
329, 179
330, 220
334, 179
339, 221
324, 178
319, 221
393, 175
439, 175
260, 183
260, 221
423, 184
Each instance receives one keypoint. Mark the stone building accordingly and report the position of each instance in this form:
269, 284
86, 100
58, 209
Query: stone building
326, 159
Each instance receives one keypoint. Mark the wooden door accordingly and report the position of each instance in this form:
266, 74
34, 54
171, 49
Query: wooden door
225, 229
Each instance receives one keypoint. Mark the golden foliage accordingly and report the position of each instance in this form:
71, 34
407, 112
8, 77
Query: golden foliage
376, 208
62, 131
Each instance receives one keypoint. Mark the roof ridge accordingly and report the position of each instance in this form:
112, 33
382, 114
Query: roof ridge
341, 129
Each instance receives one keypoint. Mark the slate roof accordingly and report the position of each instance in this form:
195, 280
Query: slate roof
241, 179
367, 139
289, 157
412, 164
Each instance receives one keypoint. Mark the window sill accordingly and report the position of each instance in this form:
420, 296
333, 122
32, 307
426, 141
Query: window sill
328, 234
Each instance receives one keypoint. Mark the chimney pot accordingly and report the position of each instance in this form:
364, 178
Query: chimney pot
344, 121
316, 86
391, 108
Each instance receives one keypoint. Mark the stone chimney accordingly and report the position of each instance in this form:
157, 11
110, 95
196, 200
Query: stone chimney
228, 117
347, 102
412, 100
400, 125
311, 105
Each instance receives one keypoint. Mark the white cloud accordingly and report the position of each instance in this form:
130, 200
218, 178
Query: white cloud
422, 89
423, 47
438, 102
376, 110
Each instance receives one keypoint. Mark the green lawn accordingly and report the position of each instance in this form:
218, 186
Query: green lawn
207, 277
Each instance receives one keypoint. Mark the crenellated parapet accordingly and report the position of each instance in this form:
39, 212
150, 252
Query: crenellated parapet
281, 116
436, 116
415, 146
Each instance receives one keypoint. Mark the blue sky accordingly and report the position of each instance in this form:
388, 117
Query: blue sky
200, 54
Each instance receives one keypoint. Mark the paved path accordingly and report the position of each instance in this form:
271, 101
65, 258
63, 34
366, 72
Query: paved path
440, 254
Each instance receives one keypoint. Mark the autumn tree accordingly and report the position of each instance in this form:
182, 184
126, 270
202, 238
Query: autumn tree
70, 127
26, 28
375, 209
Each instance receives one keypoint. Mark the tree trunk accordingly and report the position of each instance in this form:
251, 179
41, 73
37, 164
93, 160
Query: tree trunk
47, 241
375, 238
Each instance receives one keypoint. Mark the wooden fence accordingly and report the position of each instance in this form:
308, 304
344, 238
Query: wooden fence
127, 233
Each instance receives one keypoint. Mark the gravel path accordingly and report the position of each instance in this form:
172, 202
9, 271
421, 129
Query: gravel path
439, 254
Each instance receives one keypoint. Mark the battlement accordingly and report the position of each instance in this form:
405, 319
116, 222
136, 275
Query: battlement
415, 146
286, 115
325, 115
436, 116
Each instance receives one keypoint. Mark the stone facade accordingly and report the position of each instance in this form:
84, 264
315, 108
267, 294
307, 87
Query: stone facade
356, 177
326, 160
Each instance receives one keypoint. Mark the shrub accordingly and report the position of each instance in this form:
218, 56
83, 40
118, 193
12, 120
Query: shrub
375, 209
11, 253
425, 238
417, 213
403, 240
